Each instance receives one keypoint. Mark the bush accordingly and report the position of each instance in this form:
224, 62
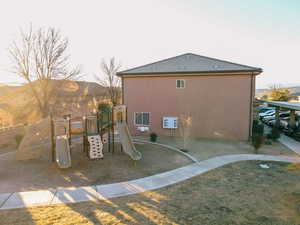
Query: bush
275, 133
153, 137
269, 136
257, 141
18, 139
268, 141
258, 127
257, 135
103, 106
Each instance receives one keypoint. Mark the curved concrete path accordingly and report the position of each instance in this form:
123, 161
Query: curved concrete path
290, 143
135, 140
89, 193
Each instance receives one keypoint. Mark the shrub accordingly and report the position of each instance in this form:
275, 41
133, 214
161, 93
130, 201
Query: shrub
268, 141
153, 137
257, 128
257, 141
257, 135
103, 106
18, 139
275, 134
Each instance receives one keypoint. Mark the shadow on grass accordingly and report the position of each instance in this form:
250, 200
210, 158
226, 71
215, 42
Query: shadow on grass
42, 174
240, 193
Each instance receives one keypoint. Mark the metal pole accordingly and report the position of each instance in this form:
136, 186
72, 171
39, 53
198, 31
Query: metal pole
277, 117
84, 134
52, 138
108, 129
293, 118
70, 137
113, 131
126, 115
98, 122
123, 111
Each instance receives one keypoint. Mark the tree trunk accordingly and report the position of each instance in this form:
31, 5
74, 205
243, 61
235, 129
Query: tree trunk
45, 110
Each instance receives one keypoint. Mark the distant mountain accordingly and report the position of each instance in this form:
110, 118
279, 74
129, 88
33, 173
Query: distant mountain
262, 92
19, 102
5, 89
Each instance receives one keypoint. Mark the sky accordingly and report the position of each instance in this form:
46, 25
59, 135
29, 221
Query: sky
258, 33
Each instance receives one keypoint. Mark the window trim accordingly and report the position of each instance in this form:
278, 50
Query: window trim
183, 83
134, 119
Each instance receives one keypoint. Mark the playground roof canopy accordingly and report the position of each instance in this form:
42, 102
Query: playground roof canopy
286, 105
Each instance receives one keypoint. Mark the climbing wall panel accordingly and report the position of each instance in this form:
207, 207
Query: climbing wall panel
96, 147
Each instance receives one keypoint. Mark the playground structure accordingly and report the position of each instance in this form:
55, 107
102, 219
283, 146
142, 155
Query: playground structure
61, 140
104, 123
124, 134
92, 141
98, 130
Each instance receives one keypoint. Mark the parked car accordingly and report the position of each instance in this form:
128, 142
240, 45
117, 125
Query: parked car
271, 122
288, 130
266, 119
284, 122
267, 113
284, 114
265, 109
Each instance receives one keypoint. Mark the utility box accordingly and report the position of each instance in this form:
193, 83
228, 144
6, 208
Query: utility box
170, 122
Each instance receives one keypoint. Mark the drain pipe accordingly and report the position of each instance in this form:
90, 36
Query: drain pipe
251, 108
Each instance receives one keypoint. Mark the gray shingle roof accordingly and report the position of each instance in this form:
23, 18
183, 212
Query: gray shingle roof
189, 63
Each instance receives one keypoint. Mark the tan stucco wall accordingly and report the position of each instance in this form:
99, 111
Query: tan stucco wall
219, 105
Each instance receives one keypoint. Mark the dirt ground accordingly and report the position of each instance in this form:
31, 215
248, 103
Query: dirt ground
202, 148
41, 174
6, 149
236, 194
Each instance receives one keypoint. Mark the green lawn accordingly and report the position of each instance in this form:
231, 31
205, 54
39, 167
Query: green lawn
240, 193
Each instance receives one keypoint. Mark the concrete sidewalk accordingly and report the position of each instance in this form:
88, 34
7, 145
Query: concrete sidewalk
100, 192
290, 143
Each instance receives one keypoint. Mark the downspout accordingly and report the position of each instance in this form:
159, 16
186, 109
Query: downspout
251, 108
122, 83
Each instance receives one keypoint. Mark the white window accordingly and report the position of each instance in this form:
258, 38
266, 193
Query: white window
170, 122
180, 83
142, 118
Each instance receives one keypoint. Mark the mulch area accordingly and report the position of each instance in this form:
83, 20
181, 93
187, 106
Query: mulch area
42, 174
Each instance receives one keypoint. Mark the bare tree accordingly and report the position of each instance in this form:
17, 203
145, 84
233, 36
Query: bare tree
185, 124
40, 59
110, 80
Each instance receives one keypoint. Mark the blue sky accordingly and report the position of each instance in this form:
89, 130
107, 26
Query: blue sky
263, 33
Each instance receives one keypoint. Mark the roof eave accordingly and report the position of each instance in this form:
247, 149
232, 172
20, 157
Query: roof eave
258, 71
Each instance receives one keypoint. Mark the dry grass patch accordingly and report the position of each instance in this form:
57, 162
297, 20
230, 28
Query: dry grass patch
241, 193
205, 148
117, 167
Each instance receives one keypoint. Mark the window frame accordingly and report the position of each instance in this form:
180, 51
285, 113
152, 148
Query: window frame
183, 82
142, 119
